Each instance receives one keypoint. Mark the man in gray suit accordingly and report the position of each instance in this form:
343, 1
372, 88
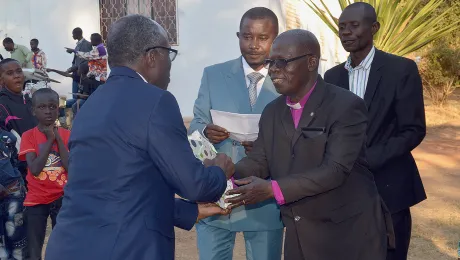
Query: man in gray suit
240, 86
311, 144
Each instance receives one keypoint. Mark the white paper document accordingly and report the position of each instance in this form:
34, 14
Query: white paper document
242, 127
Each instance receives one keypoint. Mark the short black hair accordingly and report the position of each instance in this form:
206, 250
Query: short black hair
258, 13
34, 40
5, 62
84, 68
96, 37
78, 31
368, 11
44, 91
8, 40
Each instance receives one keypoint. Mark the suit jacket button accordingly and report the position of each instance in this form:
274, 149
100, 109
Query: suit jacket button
296, 218
292, 155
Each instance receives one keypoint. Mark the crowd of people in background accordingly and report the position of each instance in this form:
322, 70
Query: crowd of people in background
34, 148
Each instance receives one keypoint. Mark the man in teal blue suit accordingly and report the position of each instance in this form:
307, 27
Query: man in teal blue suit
240, 86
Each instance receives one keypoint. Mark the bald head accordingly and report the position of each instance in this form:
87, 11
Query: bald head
294, 61
305, 41
363, 10
130, 37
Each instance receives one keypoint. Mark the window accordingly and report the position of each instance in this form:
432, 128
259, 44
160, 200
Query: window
162, 11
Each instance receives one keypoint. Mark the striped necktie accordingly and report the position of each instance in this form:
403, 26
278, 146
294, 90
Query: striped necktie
254, 78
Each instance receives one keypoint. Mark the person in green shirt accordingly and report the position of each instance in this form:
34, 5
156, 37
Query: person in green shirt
18, 52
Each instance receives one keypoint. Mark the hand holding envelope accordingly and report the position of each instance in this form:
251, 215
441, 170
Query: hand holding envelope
242, 127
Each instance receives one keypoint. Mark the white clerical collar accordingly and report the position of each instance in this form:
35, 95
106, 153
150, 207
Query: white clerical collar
294, 106
248, 70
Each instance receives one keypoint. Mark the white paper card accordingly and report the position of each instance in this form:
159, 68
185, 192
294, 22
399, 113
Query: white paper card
242, 127
203, 149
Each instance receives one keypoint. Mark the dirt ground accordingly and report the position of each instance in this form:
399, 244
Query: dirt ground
436, 221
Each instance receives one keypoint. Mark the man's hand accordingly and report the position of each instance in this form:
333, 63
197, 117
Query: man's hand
247, 146
69, 50
216, 134
224, 162
254, 190
210, 209
56, 134
49, 133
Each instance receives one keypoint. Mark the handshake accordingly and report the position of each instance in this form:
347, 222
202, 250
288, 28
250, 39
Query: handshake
224, 162
210, 209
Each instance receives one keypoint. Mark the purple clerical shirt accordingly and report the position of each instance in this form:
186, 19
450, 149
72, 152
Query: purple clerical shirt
296, 112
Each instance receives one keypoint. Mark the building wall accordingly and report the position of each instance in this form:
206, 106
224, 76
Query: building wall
207, 34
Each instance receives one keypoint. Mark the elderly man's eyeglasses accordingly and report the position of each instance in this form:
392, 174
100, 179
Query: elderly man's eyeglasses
172, 52
282, 63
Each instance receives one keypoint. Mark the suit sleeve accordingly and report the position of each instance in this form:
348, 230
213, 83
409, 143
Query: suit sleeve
170, 150
185, 214
202, 107
255, 164
344, 144
410, 118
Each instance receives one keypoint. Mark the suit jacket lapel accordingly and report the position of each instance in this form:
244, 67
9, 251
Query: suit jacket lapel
236, 85
310, 109
374, 77
286, 120
266, 95
344, 81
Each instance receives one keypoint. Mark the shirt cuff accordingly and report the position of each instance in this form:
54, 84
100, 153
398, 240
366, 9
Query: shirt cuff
277, 193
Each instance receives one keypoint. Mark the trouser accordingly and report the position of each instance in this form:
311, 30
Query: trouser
402, 224
37, 217
13, 242
217, 243
75, 88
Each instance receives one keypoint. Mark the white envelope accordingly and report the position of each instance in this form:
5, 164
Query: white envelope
242, 127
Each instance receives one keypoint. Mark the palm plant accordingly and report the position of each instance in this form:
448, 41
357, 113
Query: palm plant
403, 30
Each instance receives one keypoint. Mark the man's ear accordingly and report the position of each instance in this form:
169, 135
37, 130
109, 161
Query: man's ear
238, 34
313, 63
151, 59
375, 28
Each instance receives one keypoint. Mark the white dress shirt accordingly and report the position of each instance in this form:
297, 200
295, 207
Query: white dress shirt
359, 75
248, 70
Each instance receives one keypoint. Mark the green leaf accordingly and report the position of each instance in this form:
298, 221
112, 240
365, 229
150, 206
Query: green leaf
402, 29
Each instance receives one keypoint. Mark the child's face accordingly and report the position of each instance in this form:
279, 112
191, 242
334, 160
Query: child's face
12, 77
46, 109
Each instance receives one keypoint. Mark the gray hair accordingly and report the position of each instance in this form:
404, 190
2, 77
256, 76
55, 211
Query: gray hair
130, 36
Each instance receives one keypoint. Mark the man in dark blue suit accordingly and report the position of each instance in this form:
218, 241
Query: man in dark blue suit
129, 155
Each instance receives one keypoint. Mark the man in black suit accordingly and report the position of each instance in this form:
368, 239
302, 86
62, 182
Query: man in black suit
392, 89
311, 144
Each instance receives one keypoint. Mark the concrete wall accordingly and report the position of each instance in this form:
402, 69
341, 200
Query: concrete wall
207, 34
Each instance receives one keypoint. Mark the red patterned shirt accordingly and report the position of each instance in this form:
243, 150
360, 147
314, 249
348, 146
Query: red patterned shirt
39, 60
48, 186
